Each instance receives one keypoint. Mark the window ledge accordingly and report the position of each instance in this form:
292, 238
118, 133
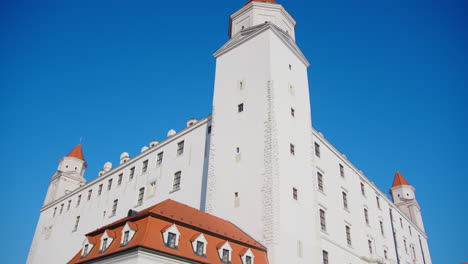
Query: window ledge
173, 191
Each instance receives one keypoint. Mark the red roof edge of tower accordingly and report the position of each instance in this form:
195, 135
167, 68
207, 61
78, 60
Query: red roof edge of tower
269, 1
77, 152
399, 180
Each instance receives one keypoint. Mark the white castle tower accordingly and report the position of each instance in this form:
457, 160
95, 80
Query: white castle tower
261, 142
404, 198
69, 175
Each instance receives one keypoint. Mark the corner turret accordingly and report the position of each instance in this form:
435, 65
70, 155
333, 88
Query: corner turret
404, 198
69, 175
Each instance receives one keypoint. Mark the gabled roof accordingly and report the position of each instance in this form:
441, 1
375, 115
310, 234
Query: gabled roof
399, 180
77, 152
189, 221
269, 1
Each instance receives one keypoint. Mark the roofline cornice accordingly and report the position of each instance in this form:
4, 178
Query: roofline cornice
106, 175
254, 31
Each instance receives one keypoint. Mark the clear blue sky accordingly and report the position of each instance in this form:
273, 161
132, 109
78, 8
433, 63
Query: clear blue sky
388, 84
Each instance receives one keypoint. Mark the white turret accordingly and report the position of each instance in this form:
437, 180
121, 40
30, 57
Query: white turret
256, 12
69, 175
404, 198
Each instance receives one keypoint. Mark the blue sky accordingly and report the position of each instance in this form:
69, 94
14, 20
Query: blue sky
388, 84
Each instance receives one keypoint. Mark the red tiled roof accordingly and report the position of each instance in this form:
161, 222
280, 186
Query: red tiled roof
399, 180
269, 1
76, 152
190, 222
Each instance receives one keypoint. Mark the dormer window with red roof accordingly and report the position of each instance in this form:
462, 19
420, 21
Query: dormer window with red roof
171, 236
199, 243
247, 256
128, 232
86, 247
224, 251
106, 241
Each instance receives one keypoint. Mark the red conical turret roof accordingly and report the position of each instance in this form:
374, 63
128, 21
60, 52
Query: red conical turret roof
77, 152
269, 1
399, 180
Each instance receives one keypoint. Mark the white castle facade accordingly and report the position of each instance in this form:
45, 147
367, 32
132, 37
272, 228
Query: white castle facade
256, 162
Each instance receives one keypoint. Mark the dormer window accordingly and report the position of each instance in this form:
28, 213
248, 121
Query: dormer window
106, 241
199, 243
128, 232
86, 247
224, 251
171, 236
247, 256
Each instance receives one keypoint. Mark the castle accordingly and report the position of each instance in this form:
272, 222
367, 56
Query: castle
255, 162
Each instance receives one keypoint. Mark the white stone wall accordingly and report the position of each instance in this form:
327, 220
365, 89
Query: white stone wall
266, 172
56, 242
331, 201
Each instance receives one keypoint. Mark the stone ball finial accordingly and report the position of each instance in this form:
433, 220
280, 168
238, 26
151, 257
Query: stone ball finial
124, 155
191, 122
107, 166
153, 143
171, 133
143, 149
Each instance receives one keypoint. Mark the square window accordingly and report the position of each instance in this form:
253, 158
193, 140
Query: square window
293, 112
69, 204
317, 150
370, 246
119, 181
100, 189
248, 260
225, 256
240, 108
320, 181
141, 194
176, 183
104, 244
294, 193
209, 129
382, 228
323, 224
341, 170
180, 148
77, 222
378, 201
78, 201
348, 235
200, 248
325, 257
145, 166
109, 186
90, 192
159, 160
171, 240
132, 173
366, 216
291, 149
363, 190
345, 200
126, 236
114, 207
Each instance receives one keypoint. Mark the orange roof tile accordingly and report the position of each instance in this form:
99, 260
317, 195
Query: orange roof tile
399, 180
76, 152
269, 1
190, 222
